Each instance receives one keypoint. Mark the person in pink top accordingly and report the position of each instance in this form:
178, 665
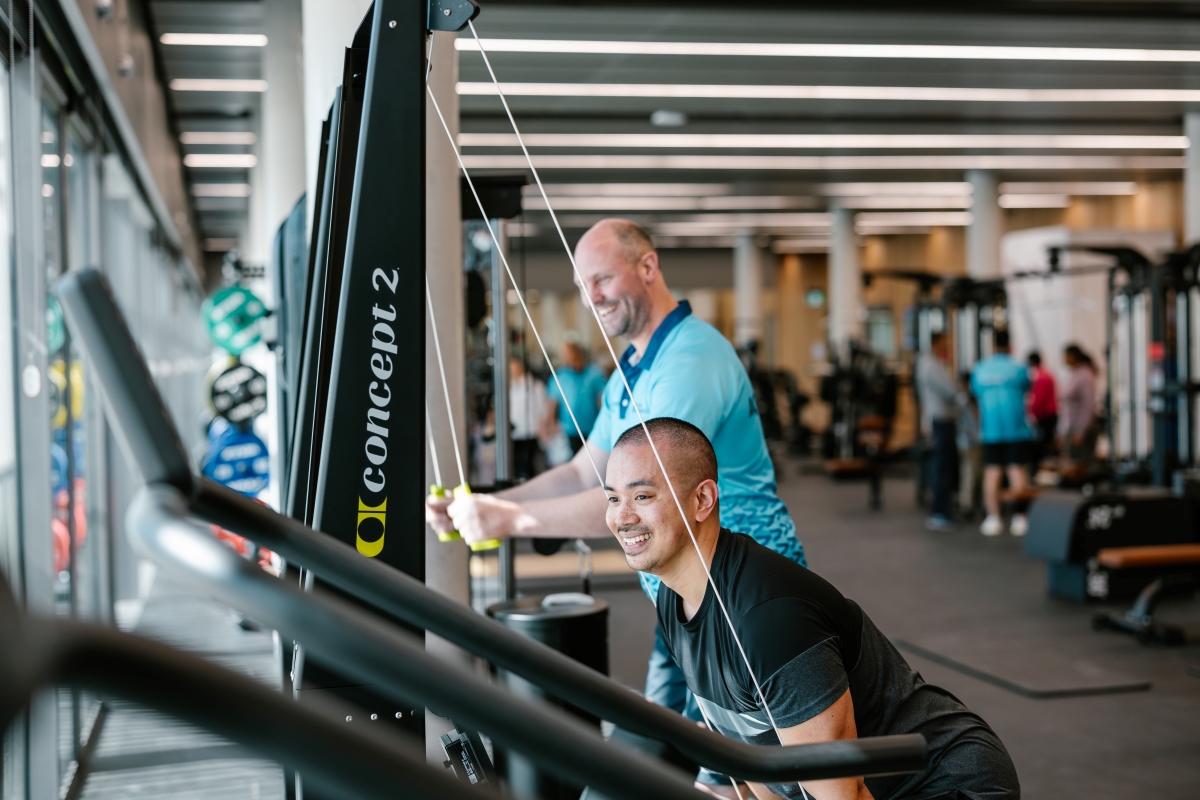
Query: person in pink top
1043, 408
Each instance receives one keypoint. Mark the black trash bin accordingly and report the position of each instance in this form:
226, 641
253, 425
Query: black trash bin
574, 624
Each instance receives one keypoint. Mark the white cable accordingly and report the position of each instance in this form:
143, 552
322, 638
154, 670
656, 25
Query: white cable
641, 419
437, 470
437, 346
520, 295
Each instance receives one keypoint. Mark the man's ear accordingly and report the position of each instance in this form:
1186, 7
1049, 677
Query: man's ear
647, 266
706, 499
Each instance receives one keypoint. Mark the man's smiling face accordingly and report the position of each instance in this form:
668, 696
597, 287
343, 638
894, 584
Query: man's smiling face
614, 285
641, 512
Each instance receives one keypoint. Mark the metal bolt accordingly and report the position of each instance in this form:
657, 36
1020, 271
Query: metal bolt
446, 12
349, 718
374, 717
392, 24
399, 714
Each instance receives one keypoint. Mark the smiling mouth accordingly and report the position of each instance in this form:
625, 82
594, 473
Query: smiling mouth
636, 539
604, 311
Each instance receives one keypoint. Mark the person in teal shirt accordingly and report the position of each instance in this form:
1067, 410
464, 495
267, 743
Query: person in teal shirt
1000, 384
583, 383
678, 366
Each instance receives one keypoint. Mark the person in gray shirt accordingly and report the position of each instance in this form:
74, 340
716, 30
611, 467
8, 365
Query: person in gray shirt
938, 397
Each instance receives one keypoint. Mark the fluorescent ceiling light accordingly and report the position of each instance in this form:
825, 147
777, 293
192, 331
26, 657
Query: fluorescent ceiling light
943, 163
221, 189
629, 189
809, 220
220, 161
694, 242
1034, 201
718, 203
217, 137
217, 85
896, 187
870, 219
1070, 187
900, 201
834, 141
892, 230
50, 161
794, 50
215, 39
776, 92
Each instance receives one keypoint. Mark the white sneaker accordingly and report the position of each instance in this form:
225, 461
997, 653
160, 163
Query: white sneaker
992, 526
1019, 525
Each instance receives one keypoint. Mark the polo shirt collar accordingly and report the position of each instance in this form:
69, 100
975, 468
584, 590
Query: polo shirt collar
633, 371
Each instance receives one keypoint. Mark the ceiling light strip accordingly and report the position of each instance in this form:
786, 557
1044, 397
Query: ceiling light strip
218, 137
811, 50
836, 141
217, 85
220, 161
771, 92
944, 163
214, 39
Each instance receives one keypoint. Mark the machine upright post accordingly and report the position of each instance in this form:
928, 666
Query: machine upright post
1160, 461
504, 473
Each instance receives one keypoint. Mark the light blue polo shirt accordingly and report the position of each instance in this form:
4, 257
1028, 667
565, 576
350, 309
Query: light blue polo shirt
691, 372
1000, 385
582, 388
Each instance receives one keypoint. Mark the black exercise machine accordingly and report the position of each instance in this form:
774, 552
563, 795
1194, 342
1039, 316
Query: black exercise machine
1176, 570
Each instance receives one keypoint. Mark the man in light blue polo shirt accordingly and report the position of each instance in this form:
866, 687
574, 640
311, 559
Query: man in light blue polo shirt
678, 366
1000, 385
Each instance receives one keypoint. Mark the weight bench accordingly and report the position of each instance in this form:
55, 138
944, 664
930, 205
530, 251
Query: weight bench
1180, 568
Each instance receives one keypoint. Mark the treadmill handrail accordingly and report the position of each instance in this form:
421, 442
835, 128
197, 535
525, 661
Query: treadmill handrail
364, 647
343, 761
407, 599
145, 426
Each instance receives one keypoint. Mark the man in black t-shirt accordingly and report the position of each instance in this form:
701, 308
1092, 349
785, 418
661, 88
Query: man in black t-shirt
824, 669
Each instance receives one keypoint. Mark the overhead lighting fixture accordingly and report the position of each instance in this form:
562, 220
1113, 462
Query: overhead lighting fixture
220, 189
1070, 187
724, 91
217, 137
895, 187
891, 230
694, 242
796, 50
700, 203
220, 161
665, 118
832, 141
628, 189
902, 201
217, 85
50, 161
1034, 201
941, 163
215, 39
903, 219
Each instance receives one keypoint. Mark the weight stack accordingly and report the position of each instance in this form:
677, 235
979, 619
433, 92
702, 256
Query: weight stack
576, 625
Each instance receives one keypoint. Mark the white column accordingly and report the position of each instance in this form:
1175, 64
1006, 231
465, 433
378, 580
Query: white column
983, 234
845, 281
282, 141
446, 563
329, 27
747, 290
1191, 179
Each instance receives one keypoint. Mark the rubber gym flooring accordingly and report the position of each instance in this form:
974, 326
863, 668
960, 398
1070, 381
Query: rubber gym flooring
979, 604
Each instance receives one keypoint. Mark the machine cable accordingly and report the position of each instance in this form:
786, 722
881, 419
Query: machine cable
616, 360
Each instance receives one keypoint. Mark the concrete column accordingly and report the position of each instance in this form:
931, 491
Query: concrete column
845, 281
1191, 179
983, 234
329, 27
446, 563
281, 144
747, 290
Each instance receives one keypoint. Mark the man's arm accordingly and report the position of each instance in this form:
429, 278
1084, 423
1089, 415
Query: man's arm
832, 724
564, 501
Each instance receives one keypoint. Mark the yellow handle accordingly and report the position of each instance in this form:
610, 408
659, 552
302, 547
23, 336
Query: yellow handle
477, 547
440, 493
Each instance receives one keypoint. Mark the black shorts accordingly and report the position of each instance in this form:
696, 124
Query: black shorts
1001, 454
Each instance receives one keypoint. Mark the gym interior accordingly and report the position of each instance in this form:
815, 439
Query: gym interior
925, 277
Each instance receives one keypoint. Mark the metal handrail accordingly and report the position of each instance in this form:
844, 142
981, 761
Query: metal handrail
145, 430
342, 761
366, 648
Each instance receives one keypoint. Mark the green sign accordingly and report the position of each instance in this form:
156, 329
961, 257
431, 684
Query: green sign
232, 317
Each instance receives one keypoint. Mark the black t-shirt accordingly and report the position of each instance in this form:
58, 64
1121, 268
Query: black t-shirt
807, 645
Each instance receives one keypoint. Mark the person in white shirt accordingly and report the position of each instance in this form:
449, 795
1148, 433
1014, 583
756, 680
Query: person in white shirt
531, 416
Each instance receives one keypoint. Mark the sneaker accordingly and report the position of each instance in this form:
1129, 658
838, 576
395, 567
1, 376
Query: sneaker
1019, 525
992, 526
939, 524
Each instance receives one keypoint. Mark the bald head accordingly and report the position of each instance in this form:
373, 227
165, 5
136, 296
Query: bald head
629, 238
685, 450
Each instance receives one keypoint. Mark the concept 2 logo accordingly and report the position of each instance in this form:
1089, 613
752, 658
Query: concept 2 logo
383, 347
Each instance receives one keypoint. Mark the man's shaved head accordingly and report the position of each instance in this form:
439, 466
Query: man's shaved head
686, 452
629, 236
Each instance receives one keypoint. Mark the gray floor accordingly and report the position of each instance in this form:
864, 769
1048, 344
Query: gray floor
144, 754
980, 601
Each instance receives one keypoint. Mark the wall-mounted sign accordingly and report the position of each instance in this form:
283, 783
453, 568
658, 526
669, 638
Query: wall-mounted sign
232, 318
814, 298
239, 394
